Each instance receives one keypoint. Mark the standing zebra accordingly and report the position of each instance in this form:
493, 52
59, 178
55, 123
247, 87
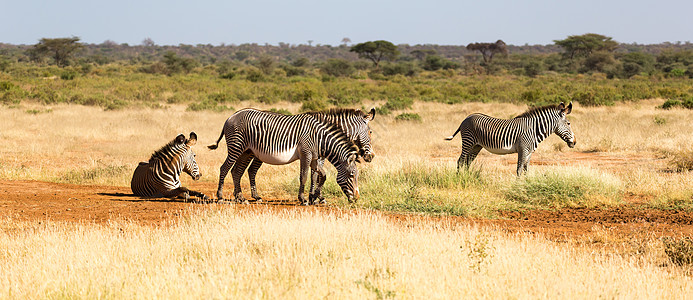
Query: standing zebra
519, 135
160, 177
353, 122
278, 139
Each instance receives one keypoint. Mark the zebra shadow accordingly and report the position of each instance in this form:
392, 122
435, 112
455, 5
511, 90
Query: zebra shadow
133, 198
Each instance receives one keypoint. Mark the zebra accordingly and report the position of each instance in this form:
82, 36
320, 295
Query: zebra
354, 123
160, 176
519, 135
278, 139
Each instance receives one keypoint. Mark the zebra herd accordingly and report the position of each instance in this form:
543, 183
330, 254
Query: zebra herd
341, 136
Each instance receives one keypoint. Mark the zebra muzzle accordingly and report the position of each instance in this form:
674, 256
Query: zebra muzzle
571, 144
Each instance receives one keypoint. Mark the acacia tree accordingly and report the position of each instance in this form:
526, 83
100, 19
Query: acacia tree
586, 44
61, 49
488, 50
376, 51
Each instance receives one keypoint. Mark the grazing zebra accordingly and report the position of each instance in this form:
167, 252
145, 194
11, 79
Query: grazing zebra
352, 121
519, 135
278, 139
160, 177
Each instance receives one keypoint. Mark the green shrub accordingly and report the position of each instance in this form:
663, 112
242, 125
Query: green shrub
337, 67
576, 187
280, 111
209, 105
408, 117
314, 105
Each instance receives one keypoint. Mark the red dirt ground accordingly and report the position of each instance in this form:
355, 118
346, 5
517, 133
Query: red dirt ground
39, 201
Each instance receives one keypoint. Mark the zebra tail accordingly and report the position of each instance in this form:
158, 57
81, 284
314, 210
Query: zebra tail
212, 147
453, 135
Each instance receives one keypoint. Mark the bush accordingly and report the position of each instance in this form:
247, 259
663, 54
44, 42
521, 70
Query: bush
210, 105
408, 117
578, 187
679, 251
280, 111
682, 161
401, 68
337, 67
314, 105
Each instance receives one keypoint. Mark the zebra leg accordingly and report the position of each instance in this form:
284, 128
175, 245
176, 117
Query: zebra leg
317, 180
185, 193
252, 171
463, 161
306, 159
237, 172
522, 161
235, 148
472, 154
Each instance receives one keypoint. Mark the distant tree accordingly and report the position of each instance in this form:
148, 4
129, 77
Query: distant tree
60, 49
488, 50
310, 42
148, 42
376, 51
265, 64
177, 64
337, 67
586, 44
421, 54
345, 41
300, 62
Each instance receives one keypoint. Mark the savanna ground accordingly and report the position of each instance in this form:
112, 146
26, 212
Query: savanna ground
587, 222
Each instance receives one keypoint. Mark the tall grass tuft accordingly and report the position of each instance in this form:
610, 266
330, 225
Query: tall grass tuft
574, 187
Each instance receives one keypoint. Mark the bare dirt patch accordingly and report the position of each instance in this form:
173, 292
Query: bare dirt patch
40, 201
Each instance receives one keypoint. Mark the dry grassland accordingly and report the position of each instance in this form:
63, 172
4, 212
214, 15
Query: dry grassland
622, 151
303, 254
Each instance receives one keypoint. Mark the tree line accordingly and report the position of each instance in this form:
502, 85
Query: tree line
587, 53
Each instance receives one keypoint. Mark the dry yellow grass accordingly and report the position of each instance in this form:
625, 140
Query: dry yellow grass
103, 147
224, 253
301, 254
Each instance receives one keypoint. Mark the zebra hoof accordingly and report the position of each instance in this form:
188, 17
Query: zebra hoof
258, 199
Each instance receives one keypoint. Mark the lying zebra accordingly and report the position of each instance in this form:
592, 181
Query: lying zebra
278, 139
519, 135
160, 177
353, 122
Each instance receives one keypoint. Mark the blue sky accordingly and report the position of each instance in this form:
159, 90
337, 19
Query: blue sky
173, 22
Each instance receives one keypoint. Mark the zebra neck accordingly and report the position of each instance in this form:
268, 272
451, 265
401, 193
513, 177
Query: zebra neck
543, 128
169, 165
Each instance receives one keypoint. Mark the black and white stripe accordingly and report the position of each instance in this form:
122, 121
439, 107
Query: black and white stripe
353, 122
279, 139
160, 176
520, 135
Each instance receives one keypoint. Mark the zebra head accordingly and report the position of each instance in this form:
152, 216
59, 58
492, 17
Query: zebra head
347, 178
563, 127
188, 156
362, 137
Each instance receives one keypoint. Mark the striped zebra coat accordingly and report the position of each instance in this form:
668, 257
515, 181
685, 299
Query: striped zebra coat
278, 139
353, 122
160, 176
520, 135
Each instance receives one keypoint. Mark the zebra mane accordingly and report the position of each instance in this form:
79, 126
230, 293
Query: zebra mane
534, 110
340, 136
161, 153
338, 112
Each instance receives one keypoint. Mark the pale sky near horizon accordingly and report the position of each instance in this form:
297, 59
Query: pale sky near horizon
443, 22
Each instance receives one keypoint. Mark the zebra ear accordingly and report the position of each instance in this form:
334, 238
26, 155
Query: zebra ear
180, 139
561, 106
569, 108
192, 140
371, 115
